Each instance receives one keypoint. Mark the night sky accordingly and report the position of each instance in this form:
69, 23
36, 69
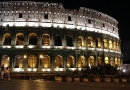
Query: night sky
118, 9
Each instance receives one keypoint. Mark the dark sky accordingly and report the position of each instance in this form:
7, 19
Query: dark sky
118, 9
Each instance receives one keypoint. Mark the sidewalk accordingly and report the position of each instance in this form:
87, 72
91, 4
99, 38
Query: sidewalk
52, 85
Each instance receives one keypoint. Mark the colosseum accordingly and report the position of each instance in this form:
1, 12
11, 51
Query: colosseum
43, 37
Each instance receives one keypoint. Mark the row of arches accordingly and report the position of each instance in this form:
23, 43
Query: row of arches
45, 61
46, 40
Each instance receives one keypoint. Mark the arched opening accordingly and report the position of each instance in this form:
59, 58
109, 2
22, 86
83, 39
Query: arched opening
6, 39
99, 61
5, 60
110, 45
58, 61
118, 61
45, 61
18, 62
32, 61
69, 41
106, 60
80, 41
112, 61
105, 44
118, 47
58, 41
91, 61
114, 45
81, 62
32, 39
19, 39
90, 42
46, 39
70, 62
98, 43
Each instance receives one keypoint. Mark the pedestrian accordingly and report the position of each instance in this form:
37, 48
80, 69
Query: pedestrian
2, 71
6, 74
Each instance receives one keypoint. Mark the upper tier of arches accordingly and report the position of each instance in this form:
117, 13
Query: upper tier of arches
46, 40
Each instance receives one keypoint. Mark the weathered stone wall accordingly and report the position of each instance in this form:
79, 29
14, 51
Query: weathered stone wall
40, 12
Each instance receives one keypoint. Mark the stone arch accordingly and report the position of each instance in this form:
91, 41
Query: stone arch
90, 42
118, 47
106, 60
19, 39
58, 61
98, 43
58, 41
45, 39
32, 61
118, 61
18, 61
70, 61
91, 61
32, 39
5, 60
112, 61
81, 62
105, 44
80, 41
6, 40
45, 61
69, 41
110, 45
99, 62
114, 45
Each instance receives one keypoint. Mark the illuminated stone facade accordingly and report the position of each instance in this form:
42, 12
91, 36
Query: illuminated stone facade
46, 37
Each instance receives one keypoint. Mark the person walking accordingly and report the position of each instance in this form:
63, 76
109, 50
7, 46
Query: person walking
2, 71
6, 73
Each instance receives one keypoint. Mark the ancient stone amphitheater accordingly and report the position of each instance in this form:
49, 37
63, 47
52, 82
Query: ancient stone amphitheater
46, 37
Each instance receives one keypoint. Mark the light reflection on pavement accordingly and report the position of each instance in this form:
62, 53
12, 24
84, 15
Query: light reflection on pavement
52, 85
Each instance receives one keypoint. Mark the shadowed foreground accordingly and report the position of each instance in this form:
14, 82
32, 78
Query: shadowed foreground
51, 85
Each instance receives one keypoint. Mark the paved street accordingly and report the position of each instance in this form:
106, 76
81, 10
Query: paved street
51, 85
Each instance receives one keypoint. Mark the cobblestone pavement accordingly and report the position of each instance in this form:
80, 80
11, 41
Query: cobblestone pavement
52, 85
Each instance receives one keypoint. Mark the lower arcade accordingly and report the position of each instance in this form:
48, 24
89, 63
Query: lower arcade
50, 61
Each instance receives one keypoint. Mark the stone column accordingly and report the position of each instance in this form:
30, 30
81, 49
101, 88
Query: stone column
96, 59
94, 41
76, 60
75, 42
86, 43
52, 62
39, 40
102, 43
64, 60
25, 38
13, 39
52, 41
12, 61
64, 42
